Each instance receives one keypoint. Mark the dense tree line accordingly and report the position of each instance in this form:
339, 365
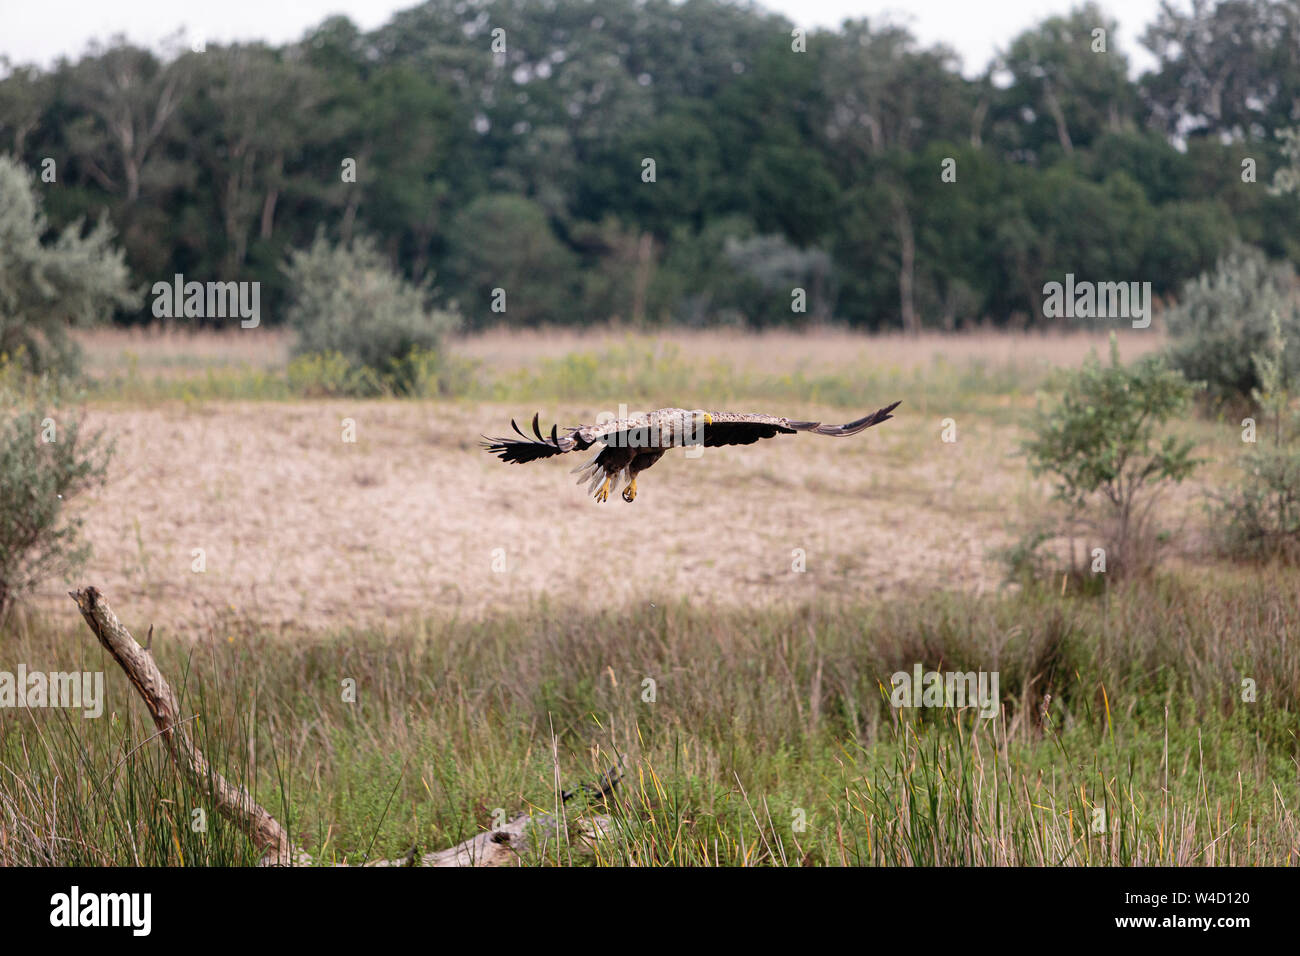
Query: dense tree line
507, 145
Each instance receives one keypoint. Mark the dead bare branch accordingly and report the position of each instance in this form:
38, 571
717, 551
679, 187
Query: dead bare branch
498, 847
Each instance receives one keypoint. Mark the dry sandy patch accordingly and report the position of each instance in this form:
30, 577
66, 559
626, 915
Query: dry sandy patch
300, 529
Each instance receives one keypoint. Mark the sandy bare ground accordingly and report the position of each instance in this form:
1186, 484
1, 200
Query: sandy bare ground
300, 529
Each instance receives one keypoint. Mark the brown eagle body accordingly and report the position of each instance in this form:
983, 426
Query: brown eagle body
631, 445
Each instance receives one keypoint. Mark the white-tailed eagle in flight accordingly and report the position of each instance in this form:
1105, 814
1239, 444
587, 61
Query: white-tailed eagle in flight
629, 446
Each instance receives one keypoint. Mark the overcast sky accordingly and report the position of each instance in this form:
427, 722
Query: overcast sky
42, 30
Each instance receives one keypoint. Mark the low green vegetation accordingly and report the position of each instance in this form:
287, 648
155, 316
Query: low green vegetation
1260, 516
1156, 728
1105, 447
46, 458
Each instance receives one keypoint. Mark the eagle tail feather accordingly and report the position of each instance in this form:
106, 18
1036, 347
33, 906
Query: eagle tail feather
586, 464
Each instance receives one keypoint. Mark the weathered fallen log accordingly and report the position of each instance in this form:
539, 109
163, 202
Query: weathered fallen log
490, 848
505, 845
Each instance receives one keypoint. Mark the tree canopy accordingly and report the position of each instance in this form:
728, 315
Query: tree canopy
659, 161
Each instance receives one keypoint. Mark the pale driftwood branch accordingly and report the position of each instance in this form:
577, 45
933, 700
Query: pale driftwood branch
234, 803
490, 848
507, 844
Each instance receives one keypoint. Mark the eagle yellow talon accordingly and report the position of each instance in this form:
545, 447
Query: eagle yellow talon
603, 493
629, 493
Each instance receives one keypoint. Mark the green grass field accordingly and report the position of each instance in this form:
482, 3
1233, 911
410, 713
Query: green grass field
769, 738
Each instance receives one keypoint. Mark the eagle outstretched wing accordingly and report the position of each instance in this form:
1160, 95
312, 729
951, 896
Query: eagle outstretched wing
731, 428
725, 428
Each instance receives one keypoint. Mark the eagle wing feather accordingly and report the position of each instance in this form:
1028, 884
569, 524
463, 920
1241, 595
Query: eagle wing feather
733, 428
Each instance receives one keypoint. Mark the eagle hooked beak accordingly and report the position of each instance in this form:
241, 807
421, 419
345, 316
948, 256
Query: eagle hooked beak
693, 426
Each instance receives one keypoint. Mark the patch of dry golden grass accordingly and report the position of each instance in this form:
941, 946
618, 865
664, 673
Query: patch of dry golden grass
173, 351
814, 350
301, 529
177, 352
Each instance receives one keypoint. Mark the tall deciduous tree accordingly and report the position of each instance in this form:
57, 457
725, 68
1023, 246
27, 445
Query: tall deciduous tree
130, 97
25, 94
1069, 81
1225, 66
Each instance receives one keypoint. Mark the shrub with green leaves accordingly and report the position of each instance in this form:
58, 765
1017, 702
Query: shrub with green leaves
1260, 518
1224, 318
45, 459
1100, 446
349, 304
46, 288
